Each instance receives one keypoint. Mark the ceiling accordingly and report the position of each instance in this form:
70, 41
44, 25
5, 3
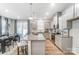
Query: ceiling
26, 10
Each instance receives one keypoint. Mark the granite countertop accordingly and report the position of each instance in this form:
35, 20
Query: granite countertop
63, 36
40, 36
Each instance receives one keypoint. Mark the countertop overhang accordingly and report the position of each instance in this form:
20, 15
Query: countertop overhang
36, 37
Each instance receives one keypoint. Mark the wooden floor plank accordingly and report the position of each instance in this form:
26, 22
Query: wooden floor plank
51, 49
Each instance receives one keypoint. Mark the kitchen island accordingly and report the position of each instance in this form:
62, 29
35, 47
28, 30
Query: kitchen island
36, 44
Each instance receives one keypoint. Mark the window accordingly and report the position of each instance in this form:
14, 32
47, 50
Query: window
11, 26
25, 31
4, 26
22, 28
19, 28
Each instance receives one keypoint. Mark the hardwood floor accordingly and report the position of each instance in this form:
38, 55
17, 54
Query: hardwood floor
51, 49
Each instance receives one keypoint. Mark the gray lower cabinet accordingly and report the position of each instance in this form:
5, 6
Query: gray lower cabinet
37, 47
64, 43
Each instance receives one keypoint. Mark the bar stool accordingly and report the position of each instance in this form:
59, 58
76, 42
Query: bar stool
15, 39
11, 40
22, 47
0, 47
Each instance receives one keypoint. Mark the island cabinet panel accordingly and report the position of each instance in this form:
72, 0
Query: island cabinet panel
38, 47
64, 43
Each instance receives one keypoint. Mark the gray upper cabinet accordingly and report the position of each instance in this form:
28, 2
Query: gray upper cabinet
60, 23
76, 9
67, 15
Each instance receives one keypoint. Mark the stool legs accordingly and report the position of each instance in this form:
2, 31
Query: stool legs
17, 50
23, 50
26, 50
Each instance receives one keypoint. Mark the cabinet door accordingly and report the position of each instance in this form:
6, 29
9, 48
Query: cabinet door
75, 35
40, 25
64, 22
56, 40
60, 43
60, 23
67, 44
55, 20
68, 14
38, 47
76, 9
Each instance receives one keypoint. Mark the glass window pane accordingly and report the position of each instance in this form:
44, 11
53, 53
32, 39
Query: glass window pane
19, 28
25, 30
22, 28
3, 26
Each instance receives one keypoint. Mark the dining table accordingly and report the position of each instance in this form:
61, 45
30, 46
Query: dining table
4, 40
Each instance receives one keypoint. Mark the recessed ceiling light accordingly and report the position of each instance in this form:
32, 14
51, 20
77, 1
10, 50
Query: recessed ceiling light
18, 17
30, 18
47, 13
52, 4
6, 10
77, 5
